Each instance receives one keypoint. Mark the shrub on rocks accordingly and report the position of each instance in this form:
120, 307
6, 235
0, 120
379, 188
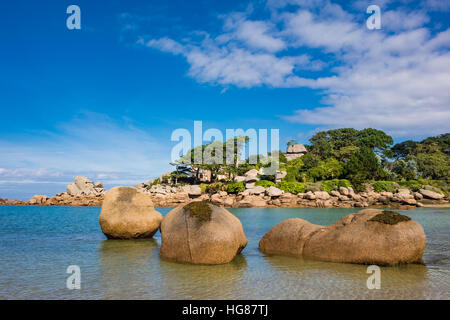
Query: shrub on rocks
412, 185
264, 183
235, 187
291, 187
314, 186
203, 187
388, 186
330, 185
215, 187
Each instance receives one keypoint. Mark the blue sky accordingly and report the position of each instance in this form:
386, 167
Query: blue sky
103, 101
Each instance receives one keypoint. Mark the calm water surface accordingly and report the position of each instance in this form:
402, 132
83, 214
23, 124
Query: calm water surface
37, 244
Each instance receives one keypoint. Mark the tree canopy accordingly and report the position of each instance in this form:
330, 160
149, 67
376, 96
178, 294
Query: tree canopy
347, 153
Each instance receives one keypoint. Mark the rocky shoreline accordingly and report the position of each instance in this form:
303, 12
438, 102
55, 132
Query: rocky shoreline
201, 232
257, 197
257, 188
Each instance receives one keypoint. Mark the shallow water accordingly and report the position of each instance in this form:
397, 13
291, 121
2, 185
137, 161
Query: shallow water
37, 244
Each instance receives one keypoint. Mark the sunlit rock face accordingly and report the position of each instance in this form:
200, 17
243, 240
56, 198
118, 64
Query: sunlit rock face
201, 233
370, 236
128, 214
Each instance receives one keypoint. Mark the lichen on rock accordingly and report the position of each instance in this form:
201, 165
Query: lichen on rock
199, 210
390, 217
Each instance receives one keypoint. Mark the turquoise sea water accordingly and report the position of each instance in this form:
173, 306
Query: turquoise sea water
37, 244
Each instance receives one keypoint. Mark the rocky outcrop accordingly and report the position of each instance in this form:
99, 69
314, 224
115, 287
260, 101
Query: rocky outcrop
201, 233
295, 151
165, 195
431, 194
84, 187
279, 175
38, 200
128, 214
257, 190
273, 192
251, 201
194, 191
368, 237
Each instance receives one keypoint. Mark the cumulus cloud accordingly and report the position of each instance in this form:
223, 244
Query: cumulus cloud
230, 64
396, 79
254, 34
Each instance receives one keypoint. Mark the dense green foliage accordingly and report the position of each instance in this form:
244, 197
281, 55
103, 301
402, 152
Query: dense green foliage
388, 186
216, 187
291, 187
330, 185
293, 169
326, 169
338, 143
314, 186
428, 159
413, 185
235, 187
340, 157
264, 183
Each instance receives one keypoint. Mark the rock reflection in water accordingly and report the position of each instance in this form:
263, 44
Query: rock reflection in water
327, 280
188, 281
128, 268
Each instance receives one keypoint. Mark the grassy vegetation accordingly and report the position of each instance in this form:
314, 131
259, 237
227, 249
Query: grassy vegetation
291, 187
388, 186
200, 210
390, 217
235, 187
335, 184
264, 183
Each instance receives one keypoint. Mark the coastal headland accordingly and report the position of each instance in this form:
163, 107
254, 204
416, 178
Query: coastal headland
341, 168
259, 197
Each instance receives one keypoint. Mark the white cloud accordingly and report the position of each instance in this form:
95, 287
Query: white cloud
436, 5
254, 34
396, 79
397, 20
230, 64
92, 145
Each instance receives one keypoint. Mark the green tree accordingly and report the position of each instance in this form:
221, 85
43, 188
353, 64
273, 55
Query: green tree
293, 168
345, 153
182, 171
326, 169
403, 149
442, 141
363, 165
376, 140
434, 166
215, 157
341, 143
327, 144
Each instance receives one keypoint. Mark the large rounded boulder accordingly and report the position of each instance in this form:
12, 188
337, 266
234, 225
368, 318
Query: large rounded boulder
201, 233
128, 214
368, 237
